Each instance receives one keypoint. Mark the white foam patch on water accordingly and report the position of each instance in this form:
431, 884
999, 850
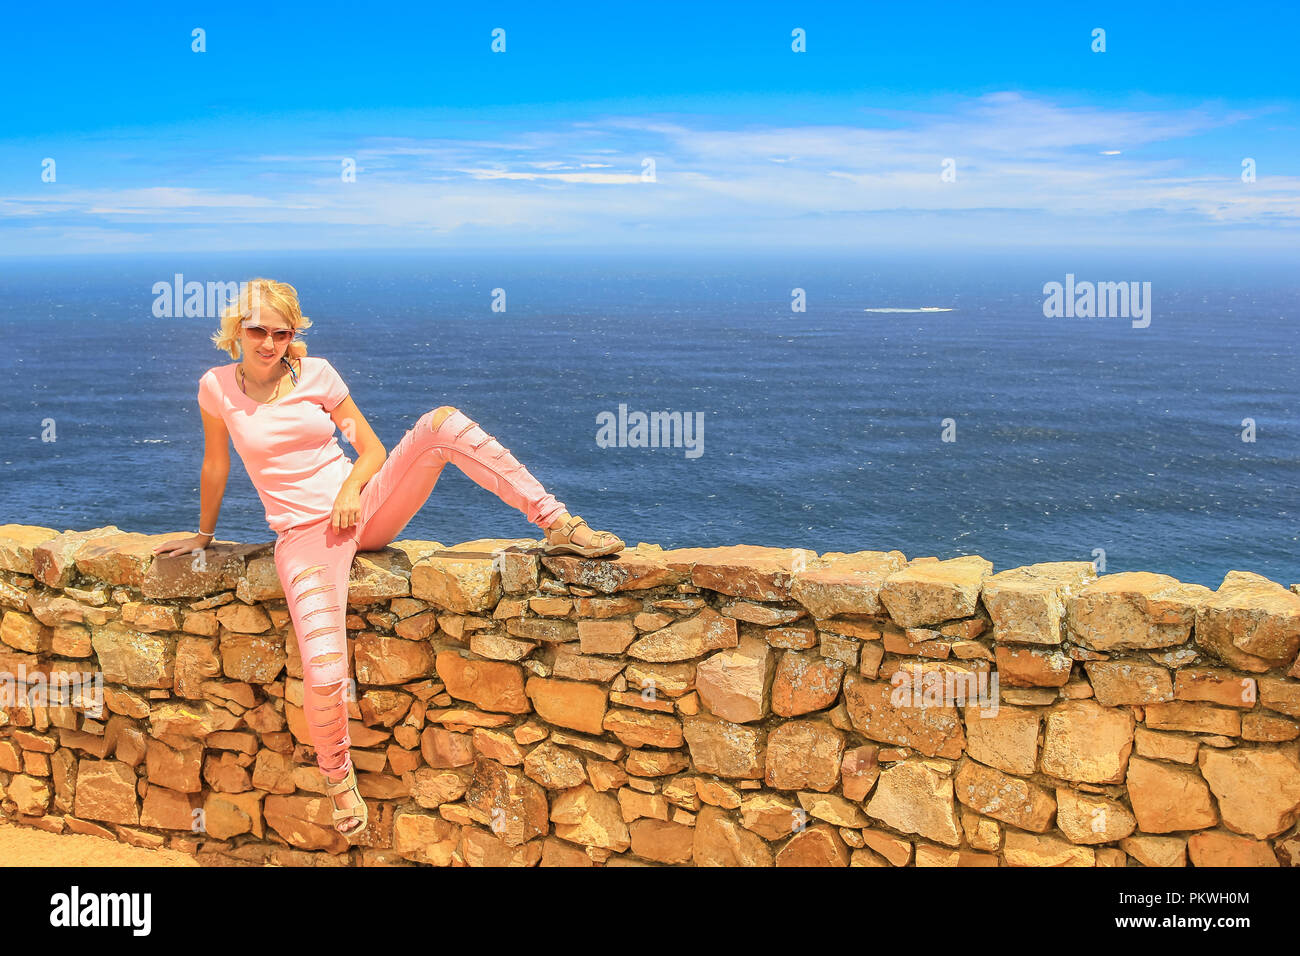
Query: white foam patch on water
922, 309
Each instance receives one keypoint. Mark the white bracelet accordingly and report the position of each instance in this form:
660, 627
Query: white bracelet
207, 534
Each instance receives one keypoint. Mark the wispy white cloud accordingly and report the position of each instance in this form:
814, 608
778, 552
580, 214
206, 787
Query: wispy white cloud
559, 177
1042, 162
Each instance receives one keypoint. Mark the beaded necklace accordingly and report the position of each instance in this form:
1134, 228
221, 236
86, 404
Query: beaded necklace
293, 375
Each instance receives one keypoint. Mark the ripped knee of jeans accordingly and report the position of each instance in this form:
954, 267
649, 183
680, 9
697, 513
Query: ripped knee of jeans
440, 415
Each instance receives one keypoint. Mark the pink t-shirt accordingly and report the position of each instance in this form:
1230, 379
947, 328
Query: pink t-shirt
288, 447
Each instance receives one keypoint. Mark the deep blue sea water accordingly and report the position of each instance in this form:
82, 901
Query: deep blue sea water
822, 429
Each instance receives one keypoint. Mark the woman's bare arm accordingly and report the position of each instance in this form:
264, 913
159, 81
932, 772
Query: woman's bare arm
371, 453
212, 485
215, 471
371, 456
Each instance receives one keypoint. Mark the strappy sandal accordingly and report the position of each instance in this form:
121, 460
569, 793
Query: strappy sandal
602, 543
361, 812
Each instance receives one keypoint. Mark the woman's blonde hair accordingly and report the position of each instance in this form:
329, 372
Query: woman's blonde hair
254, 294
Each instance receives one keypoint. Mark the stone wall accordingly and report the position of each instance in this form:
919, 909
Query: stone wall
725, 706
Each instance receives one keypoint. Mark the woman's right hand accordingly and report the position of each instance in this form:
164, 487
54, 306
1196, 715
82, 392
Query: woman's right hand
195, 542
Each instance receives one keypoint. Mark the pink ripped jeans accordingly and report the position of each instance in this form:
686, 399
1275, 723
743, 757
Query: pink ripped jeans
314, 562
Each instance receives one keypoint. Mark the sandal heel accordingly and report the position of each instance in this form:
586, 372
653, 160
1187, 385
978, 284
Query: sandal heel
564, 543
361, 812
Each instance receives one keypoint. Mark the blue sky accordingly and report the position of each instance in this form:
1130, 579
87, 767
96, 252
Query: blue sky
241, 147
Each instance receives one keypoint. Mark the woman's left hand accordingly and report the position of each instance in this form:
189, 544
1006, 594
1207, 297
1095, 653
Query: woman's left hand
347, 508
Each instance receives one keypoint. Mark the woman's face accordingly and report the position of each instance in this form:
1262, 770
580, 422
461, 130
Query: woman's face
261, 348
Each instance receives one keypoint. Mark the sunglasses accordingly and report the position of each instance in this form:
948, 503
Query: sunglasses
259, 333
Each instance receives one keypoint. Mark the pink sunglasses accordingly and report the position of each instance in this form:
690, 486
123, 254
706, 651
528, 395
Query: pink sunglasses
259, 333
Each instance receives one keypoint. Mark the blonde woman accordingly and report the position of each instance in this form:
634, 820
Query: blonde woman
280, 407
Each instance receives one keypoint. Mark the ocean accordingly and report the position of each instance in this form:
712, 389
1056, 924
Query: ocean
989, 429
